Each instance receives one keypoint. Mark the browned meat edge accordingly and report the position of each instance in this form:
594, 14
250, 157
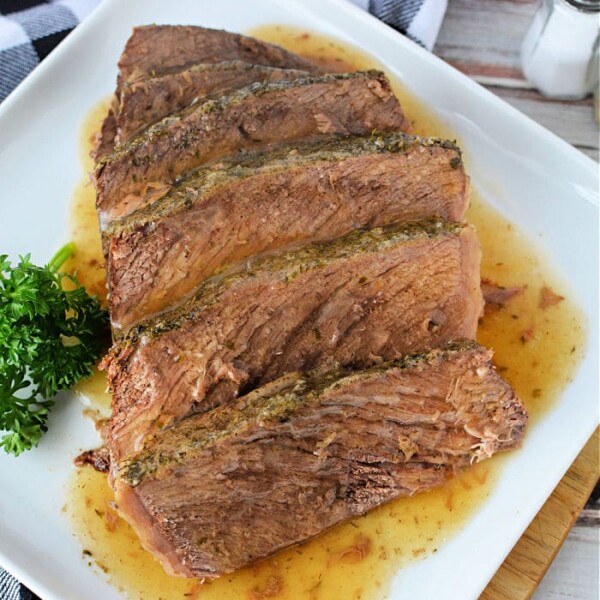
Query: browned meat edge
99, 459
155, 50
160, 255
367, 296
158, 49
145, 102
261, 114
105, 139
221, 490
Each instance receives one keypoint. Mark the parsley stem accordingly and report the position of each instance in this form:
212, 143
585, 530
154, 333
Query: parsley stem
61, 256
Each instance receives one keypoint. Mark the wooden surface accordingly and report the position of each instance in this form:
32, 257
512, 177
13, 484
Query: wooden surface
482, 38
522, 571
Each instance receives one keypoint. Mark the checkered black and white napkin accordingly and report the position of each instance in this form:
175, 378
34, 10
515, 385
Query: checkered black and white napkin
30, 29
418, 20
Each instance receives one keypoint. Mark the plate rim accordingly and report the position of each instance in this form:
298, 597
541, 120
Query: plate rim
109, 6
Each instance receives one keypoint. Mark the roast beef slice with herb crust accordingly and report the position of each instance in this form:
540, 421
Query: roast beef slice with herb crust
104, 143
367, 296
156, 50
224, 489
145, 102
314, 191
261, 114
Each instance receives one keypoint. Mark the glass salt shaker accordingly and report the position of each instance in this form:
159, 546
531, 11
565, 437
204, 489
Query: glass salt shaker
558, 49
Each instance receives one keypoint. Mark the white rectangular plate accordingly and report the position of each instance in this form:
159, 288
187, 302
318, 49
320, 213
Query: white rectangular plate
549, 188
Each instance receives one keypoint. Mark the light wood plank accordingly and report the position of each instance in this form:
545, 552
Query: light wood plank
572, 121
485, 32
575, 571
528, 561
482, 38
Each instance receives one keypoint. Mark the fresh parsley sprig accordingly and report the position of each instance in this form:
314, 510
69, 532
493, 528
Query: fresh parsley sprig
51, 335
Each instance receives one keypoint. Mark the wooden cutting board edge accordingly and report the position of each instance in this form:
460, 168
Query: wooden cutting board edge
528, 561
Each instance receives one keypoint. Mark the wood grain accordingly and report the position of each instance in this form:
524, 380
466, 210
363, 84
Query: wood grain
482, 38
562, 580
523, 569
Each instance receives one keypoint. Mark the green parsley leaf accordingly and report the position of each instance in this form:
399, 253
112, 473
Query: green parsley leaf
51, 335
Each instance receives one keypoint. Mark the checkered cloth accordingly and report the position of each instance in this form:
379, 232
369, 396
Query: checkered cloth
418, 20
30, 29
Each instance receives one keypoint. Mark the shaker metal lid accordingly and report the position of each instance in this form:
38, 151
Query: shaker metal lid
585, 5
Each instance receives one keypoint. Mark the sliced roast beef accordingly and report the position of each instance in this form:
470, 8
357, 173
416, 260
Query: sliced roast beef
311, 191
145, 102
364, 297
351, 103
221, 490
105, 138
156, 50
159, 49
